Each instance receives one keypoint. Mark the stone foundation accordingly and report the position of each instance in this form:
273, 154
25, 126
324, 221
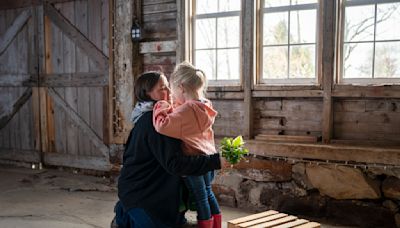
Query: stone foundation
338, 194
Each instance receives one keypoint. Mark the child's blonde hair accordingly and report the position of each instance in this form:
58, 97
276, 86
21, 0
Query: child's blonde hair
189, 77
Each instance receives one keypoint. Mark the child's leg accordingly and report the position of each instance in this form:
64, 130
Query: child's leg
214, 207
197, 186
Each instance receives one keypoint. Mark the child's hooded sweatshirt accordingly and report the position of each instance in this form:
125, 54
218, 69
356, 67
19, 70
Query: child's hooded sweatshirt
190, 122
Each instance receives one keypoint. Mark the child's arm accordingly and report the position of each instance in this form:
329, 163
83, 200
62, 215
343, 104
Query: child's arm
166, 121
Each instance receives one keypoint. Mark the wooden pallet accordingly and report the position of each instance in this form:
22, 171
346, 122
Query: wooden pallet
271, 219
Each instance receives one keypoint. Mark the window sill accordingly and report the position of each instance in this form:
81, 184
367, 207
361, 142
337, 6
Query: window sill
368, 91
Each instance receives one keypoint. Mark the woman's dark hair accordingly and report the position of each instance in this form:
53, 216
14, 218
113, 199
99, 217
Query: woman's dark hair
144, 84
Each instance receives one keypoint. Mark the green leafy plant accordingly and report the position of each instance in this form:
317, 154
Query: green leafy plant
232, 149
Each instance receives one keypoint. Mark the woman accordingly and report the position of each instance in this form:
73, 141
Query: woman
149, 183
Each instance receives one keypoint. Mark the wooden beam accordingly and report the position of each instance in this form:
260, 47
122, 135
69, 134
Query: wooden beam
158, 47
10, 112
13, 30
15, 4
77, 161
20, 155
80, 123
225, 95
87, 79
387, 91
328, 10
182, 30
372, 155
14, 79
247, 65
288, 93
287, 138
77, 37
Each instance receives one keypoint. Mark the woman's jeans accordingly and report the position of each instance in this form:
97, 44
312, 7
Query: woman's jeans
200, 187
135, 218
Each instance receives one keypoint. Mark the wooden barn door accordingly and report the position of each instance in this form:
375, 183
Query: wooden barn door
19, 99
74, 79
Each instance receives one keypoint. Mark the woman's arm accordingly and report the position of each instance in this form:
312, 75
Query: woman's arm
169, 154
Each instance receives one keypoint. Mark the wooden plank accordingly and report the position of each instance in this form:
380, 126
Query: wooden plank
247, 62
13, 4
287, 93
153, 2
160, 17
225, 95
387, 91
79, 79
262, 220
57, 66
158, 47
14, 79
326, 152
80, 123
20, 155
94, 30
49, 108
105, 26
13, 30
77, 37
95, 98
82, 162
328, 8
8, 115
292, 224
237, 221
148, 10
82, 65
70, 92
275, 222
287, 138
309, 225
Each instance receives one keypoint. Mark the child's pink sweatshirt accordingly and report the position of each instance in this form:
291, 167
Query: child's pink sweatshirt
190, 122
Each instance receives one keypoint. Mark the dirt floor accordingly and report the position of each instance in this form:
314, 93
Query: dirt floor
61, 199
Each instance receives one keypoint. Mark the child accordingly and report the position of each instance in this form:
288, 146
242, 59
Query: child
191, 120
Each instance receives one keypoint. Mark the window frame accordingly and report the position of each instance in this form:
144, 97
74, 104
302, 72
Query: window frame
289, 82
339, 79
235, 84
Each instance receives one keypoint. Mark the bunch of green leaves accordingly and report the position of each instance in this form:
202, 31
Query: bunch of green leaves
232, 149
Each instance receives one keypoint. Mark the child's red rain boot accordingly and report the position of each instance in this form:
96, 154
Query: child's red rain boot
205, 223
217, 221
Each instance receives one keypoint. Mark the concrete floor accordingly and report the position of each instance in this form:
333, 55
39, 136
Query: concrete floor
61, 199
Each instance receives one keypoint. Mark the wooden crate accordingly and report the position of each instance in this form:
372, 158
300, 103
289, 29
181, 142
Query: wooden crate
273, 219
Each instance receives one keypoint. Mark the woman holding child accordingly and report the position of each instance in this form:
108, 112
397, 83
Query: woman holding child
155, 158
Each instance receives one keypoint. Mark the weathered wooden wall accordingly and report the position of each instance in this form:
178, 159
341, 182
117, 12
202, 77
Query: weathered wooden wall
18, 133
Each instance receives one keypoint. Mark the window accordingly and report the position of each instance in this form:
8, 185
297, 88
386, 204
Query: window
289, 41
370, 41
216, 39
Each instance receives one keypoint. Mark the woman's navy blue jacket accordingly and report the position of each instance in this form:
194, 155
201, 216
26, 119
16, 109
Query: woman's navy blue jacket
152, 168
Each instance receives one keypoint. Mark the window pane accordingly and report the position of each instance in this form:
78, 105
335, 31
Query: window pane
303, 26
275, 62
228, 32
228, 64
388, 18
206, 6
302, 61
359, 23
205, 33
273, 3
300, 2
205, 60
387, 60
357, 60
229, 5
275, 28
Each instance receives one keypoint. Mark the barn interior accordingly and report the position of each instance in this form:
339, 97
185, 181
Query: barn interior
313, 86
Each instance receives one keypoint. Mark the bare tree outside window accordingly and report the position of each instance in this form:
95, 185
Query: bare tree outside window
371, 39
217, 38
289, 39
